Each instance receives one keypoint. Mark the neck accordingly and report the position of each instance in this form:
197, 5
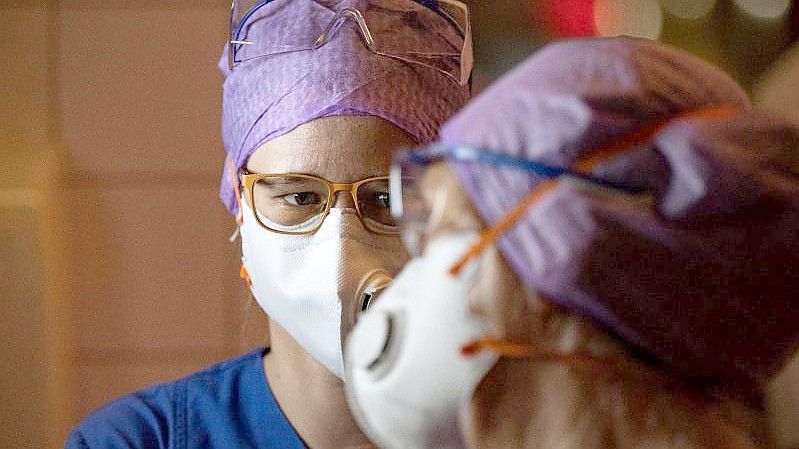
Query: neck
560, 406
311, 397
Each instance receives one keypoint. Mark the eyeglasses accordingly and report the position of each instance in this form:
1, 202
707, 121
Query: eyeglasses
412, 211
432, 33
293, 203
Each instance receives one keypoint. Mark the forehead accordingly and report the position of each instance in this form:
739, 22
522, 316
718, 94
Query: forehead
340, 149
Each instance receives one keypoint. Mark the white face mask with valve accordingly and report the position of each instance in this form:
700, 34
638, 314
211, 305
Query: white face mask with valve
406, 377
312, 285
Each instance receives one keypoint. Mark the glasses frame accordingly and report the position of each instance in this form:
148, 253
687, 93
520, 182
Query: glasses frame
466, 64
250, 179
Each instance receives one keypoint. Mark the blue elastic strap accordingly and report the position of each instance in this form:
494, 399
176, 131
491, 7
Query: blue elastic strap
462, 153
432, 4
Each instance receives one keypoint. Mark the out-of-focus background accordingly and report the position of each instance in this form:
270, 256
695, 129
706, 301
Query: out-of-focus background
115, 267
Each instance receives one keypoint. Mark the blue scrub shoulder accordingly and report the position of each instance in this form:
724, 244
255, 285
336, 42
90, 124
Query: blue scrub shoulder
228, 405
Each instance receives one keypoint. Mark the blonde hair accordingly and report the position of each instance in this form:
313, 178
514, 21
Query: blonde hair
557, 405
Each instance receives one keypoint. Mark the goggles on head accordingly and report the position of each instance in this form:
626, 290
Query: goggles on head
431, 33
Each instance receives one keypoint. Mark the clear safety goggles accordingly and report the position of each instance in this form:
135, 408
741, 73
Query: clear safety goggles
431, 33
296, 204
411, 204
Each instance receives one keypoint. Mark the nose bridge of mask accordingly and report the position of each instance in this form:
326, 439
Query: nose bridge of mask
351, 254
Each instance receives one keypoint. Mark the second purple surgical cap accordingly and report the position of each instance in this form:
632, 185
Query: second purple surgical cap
704, 276
267, 97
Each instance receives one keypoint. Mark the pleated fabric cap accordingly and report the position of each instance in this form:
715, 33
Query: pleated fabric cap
704, 275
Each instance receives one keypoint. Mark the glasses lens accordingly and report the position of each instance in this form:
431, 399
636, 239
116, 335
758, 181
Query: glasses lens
437, 36
410, 209
374, 202
296, 31
290, 203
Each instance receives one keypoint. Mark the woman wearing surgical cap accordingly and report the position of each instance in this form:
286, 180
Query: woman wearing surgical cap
317, 96
606, 256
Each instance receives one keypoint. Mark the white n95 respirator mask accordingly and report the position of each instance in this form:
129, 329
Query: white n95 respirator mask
309, 284
406, 377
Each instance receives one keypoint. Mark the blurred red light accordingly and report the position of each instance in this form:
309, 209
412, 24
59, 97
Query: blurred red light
568, 18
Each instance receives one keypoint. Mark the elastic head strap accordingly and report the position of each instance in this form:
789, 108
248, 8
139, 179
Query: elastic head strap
611, 367
243, 274
584, 164
237, 191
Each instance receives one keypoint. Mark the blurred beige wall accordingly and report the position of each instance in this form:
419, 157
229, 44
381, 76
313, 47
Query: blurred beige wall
116, 269
34, 368
120, 102
777, 92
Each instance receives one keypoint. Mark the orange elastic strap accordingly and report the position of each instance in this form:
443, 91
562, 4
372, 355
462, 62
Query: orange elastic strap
245, 275
505, 348
234, 179
623, 144
614, 366
527, 351
585, 164
490, 234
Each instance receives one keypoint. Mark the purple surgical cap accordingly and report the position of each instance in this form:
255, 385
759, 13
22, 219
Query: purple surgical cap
267, 97
703, 276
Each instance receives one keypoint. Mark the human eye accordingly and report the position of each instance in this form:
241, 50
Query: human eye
383, 199
300, 199
375, 201
375, 194
290, 193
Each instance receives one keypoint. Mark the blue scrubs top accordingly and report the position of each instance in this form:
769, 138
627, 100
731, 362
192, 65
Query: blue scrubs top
229, 405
